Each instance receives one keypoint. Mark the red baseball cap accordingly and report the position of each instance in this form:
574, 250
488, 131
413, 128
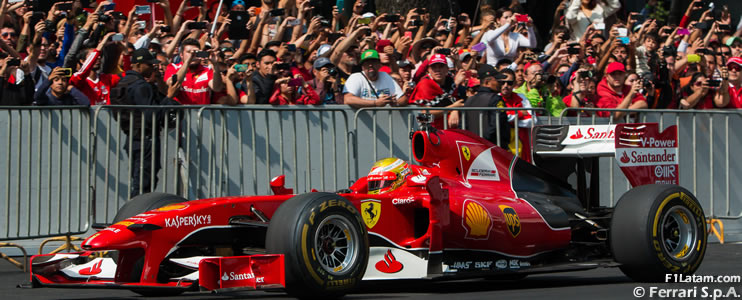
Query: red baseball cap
381, 44
438, 59
734, 60
615, 67
473, 82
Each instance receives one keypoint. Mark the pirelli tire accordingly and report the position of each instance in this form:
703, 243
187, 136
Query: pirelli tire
657, 230
324, 242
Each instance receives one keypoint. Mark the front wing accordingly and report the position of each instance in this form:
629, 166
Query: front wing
91, 270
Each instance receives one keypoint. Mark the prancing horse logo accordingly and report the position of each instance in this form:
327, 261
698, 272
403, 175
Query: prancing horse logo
370, 211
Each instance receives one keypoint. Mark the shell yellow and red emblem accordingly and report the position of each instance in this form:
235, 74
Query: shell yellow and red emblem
511, 219
170, 207
476, 220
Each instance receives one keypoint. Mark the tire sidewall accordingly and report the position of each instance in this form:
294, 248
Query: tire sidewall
304, 273
316, 213
664, 203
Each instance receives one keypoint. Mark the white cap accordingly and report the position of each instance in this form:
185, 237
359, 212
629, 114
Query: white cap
368, 15
323, 49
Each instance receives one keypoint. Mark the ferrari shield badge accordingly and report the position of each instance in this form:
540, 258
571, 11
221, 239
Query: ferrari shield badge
511, 219
467, 153
371, 211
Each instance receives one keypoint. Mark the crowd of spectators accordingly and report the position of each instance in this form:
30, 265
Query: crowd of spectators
290, 52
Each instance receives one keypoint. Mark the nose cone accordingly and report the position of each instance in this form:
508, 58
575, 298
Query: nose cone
114, 237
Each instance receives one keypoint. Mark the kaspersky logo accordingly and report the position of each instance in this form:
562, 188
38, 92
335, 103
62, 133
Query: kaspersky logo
476, 220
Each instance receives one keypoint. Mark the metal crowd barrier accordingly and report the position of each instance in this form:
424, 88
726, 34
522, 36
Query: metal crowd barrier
243, 147
46, 171
703, 150
64, 170
171, 131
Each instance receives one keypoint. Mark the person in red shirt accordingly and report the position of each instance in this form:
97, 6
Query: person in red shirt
437, 89
95, 86
582, 94
734, 65
700, 94
198, 81
613, 93
506, 78
293, 91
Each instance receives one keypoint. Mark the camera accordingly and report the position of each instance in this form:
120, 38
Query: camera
391, 18
104, 18
714, 83
277, 12
201, 54
417, 23
14, 62
333, 72
668, 51
197, 25
444, 51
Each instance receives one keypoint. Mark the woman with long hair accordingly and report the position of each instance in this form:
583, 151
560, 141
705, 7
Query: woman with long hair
581, 13
504, 41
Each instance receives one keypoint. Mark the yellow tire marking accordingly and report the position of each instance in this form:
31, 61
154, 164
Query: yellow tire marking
659, 210
306, 255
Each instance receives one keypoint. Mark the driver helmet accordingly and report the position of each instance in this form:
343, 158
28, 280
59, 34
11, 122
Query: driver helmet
387, 175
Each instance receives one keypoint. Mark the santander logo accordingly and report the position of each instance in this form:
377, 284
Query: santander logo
625, 158
577, 135
389, 264
593, 133
92, 270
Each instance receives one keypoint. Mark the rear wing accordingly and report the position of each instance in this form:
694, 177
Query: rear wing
645, 154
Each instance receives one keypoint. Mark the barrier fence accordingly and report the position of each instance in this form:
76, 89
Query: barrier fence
45, 163
65, 169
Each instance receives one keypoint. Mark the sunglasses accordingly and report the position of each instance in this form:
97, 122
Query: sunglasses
735, 68
10, 34
504, 82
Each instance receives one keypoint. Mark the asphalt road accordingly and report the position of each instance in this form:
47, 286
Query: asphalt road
592, 284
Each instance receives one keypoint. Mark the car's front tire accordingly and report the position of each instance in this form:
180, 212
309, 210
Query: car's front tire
658, 230
324, 242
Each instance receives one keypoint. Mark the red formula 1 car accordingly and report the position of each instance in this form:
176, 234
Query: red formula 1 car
470, 209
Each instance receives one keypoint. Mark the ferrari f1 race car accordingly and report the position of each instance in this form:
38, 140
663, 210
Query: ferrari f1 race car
467, 209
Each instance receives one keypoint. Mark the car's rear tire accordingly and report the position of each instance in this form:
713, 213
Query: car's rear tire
658, 230
137, 205
144, 203
324, 242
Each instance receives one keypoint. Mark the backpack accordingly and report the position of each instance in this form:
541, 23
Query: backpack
118, 93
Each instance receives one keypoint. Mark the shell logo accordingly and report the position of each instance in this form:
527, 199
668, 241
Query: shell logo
172, 207
124, 223
476, 220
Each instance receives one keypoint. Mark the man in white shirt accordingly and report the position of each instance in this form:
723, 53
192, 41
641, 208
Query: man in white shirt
370, 88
